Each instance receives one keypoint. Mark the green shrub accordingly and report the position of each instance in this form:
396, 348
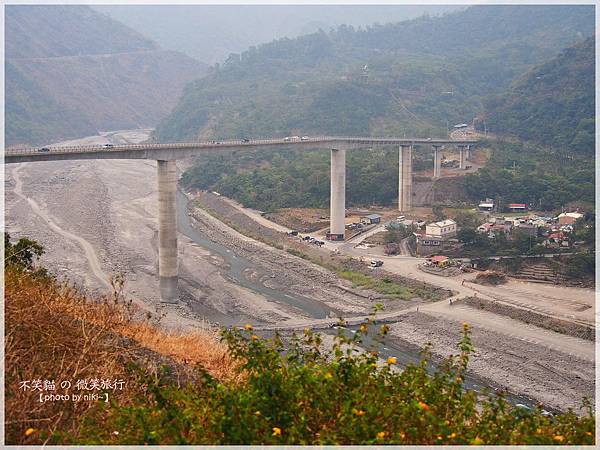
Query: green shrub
384, 286
299, 393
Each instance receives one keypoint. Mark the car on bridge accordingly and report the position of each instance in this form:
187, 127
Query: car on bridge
44, 149
108, 146
304, 138
245, 140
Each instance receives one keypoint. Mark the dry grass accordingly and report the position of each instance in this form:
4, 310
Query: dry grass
53, 332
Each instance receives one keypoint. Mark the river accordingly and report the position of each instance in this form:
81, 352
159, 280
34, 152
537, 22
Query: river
236, 266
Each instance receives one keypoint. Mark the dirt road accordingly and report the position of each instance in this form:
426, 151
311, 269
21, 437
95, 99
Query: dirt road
88, 249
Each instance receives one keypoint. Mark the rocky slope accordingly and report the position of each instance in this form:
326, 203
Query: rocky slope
71, 72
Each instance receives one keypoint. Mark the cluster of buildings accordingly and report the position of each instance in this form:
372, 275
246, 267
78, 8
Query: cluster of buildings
439, 236
555, 230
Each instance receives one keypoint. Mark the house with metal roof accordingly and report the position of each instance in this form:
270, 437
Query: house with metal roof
371, 218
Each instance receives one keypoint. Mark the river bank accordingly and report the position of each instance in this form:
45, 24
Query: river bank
98, 218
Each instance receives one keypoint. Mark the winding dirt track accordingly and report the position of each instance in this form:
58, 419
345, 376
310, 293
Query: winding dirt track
88, 249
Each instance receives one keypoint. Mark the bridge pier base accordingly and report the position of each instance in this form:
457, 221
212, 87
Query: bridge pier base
461, 157
167, 230
437, 161
337, 202
405, 178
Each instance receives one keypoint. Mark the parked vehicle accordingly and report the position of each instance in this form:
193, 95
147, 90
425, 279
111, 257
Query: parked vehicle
293, 233
376, 263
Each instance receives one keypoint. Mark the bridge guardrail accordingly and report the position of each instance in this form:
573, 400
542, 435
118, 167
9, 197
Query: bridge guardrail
228, 143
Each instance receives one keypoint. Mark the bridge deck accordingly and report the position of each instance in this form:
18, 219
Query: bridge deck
154, 151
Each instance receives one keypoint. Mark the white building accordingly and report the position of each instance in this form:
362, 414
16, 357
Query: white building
569, 218
444, 229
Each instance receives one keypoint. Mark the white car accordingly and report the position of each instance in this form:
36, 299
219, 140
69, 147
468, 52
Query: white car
304, 138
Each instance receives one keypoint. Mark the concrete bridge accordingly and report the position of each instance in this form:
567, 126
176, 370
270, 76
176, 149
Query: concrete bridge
167, 154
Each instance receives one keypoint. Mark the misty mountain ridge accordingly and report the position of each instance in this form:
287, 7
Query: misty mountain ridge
212, 32
71, 72
416, 77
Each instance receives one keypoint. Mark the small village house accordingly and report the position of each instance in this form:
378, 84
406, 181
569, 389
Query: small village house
371, 219
517, 207
569, 218
444, 229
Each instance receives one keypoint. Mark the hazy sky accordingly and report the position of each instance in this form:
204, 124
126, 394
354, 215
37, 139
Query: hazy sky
211, 32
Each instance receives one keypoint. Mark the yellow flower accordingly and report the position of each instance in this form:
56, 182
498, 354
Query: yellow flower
328, 375
402, 435
477, 441
257, 413
363, 328
381, 435
248, 327
392, 360
466, 326
452, 436
29, 431
358, 412
423, 405
254, 337
559, 438
439, 438
276, 431
538, 431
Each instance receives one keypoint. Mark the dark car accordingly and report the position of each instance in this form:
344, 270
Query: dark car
245, 140
108, 146
44, 149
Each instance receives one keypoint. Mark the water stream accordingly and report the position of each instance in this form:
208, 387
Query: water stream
237, 265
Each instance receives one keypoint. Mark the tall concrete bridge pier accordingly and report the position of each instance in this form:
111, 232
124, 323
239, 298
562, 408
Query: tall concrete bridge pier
405, 182
437, 161
461, 156
167, 154
337, 201
167, 230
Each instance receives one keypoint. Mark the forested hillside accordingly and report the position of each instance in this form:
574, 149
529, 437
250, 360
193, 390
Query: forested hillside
552, 107
309, 88
412, 77
553, 104
71, 72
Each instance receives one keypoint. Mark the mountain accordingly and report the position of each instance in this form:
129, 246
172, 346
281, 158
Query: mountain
548, 116
71, 72
413, 77
211, 32
553, 104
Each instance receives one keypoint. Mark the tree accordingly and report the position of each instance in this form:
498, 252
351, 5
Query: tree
467, 235
438, 212
21, 254
466, 219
